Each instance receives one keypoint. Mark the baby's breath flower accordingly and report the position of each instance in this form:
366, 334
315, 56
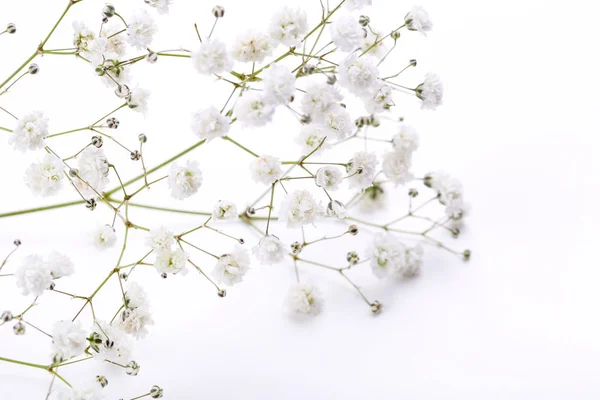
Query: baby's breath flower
300, 208
373, 44
288, 26
338, 121
160, 238
212, 57
209, 123
82, 36
431, 91
336, 209
280, 84
357, 4
252, 46
45, 177
318, 99
379, 99
396, 166
254, 109
33, 276
231, 267
418, 20
138, 100
136, 296
358, 74
135, 321
30, 131
162, 6
82, 393
361, 169
269, 250
346, 32
104, 237
171, 262
114, 345
304, 298
184, 181
68, 340
328, 177
406, 140
311, 136
266, 169
93, 169
140, 30
225, 210
59, 265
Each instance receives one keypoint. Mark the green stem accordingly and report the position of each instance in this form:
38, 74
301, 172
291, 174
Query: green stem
240, 146
19, 69
33, 210
23, 363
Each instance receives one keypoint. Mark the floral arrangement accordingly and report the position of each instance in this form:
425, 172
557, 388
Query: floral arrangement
353, 154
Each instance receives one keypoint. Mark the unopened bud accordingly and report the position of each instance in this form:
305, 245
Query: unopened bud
34, 69
352, 258
73, 172
395, 35
296, 248
11, 28
364, 20
97, 141
108, 11
132, 368
102, 380
222, 293
467, 254
91, 204
122, 91
135, 155
353, 230
112, 123
376, 307
17, 242
413, 192
156, 392
19, 328
218, 11
331, 79
142, 138
305, 119
413, 63
5, 317
152, 57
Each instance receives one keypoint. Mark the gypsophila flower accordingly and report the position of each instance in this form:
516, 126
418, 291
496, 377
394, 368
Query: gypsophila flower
336, 209
374, 44
311, 136
135, 321
300, 208
82, 36
346, 32
269, 250
374, 198
141, 30
135, 296
418, 20
30, 131
288, 26
328, 178
171, 262
231, 267
337, 120
184, 181
138, 100
45, 177
388, 255
318, 99
252, 46
82, 393
60, 265
357, 4
406, 140
304, 298
209, 123
361, 169
160, 238
431, 91
414, 260
104, 237
162, 6
358, 74
68, 340
115, 45
266, 169
225, 211
33, 276
396, 166
212, 57
253, 109
114, 344
96, 49
93, 169
280, 84
379, 100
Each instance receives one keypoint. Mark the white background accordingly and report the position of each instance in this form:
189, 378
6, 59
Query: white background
519, 128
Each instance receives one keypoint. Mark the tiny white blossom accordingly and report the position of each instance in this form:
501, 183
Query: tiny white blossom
304, 298
252, 46
115, 46
311, 136
358, 74
374, 44
406, 140
138, 100
30, 131
93, 170
116, 345
225, 211
431, 91
361, 169
337, 209
209, 123
346, 33
396, 166
374, 198
300, 208
418, 20
269, 250
212, 57
388, 255
68, 339
184, 181
162, 6
253, 109
135, 321
33, 276
450, 192
96, 50
171, 262
318, 99
60, 265
82, 36
280, 84
357, 4
82, 393
266, 169
141, 30
288, 26
104, 237
231, 267
329, 178
160, 238
135, 296
45, 177
338, 121
414, 260
379, 99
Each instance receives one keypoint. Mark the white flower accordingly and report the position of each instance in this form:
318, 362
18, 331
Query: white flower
357, 4
418, 20
252, 46
266, 169
33, 276
136, 296
162, 6
82, 393
116, 73
379, 100
134, 321
396, 166
115, 46
338, 121
160, 239
254, 109
328, 178
232, 267
374, 45
138, 100
318, 99
336, 209
304, 298
211, 57
358, 74
346, 32
140, 30
450, 191
60, 265
68, 339
171, 262
209, 123
431, 91
225, 210
30, 131
311, 136
455, 206
96, 49
45, 177
269, 250
406, 140
388, 255
184, 181
288, 26
414, 260
374, 198
300, 208
116, 345
361, 169
104, 237
82, 36
93, 169
280, 84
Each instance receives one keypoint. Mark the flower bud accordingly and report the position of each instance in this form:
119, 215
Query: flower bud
132, 369
97, 141
364, 20
222, 293
5, 317
122, 91
467, 254
296, 248
142, 138
112, 123
17, 242
241, 241
352, 258
376, 307
102, 380
124, 276
305, 119
331, 79
108, 11
163, 275
395, 34
91, 204
135, 155
19, 329
375, 122
413, 192
308, 69
218, 11
365, 33
413, 63
73, 172
250, 211
11, 28
152, 57
104, 20
156, 392
51, 286
34, 69
353, 230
